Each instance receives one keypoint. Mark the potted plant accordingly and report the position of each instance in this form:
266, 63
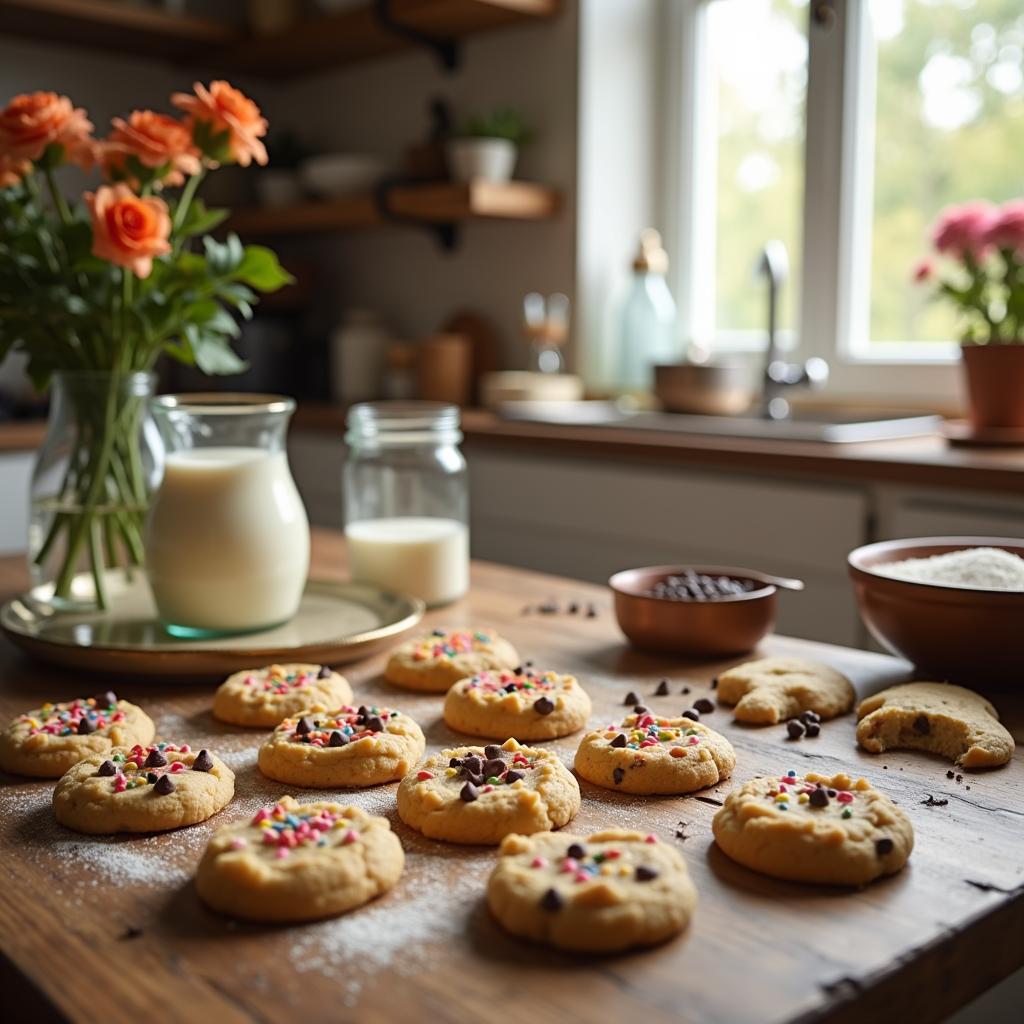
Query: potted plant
94, 292
488, 146
983, 246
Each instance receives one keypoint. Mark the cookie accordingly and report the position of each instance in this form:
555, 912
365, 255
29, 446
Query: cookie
522, 703
142, 789
265, 696
479, 795
299, 862
346, 747
596, 894
432, 663
648, 754
948, 720
818, 828
772, 690
47, 741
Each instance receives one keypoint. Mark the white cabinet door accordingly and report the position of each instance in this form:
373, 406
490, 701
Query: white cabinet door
15, 474
586, 519
917, 513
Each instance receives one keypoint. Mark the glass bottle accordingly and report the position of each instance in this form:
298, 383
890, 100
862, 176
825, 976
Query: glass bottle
227, 539
647, 330
91, 484
406, 499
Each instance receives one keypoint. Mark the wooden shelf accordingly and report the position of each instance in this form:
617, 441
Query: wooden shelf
312, 44
335, 40
117, 26
443, 203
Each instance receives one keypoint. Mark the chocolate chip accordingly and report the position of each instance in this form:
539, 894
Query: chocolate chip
548, 608
922, 726
795, 729
338, 739
619, 741
518, 670
107, 768
493, 766
950, 774
662, 690
685, 690
493, 750
543, 706
832, 794
818, 798
704, 706
810, 716
455, 762
151, 777
468, 793
477, 780
325, 672
375, 724
305, 727
692, 713
551, 901
631, 698
574, 608
714, 683
932, 802
640, 709
513, 776
645, 874
812, 729
155, 760
85, 727
106, 700
618, 775
883, 846
576, 850
203, 761
164, 785
473, 763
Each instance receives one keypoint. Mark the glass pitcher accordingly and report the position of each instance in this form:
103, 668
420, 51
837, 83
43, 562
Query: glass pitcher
227, 538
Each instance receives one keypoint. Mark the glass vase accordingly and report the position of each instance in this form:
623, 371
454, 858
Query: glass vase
91, 485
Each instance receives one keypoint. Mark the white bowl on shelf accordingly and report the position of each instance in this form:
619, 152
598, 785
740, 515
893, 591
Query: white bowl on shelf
338, 175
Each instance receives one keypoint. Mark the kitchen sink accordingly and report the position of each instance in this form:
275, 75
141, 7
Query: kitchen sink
802, 425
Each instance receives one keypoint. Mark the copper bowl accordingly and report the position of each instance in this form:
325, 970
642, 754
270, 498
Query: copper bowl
949, 633
716, 628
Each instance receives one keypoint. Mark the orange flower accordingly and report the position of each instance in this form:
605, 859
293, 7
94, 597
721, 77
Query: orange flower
12, 171
224, 109
33, 121
154, 140
126, 229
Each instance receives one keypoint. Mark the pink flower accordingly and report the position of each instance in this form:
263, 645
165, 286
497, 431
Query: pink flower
1007, 231
924, 271
963, 230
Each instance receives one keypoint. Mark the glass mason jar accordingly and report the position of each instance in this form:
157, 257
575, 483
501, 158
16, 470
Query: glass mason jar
406, 499
90, 489
227, 539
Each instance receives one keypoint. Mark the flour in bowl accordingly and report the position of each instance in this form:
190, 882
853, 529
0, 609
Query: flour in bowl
972, 568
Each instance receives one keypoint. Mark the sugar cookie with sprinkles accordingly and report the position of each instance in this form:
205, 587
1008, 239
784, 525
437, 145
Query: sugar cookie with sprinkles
263, 697
48, 740
349, 746
479, 795
434, 662
142, 789
603, 893
299, 862
520, 702
814, 828
649, 754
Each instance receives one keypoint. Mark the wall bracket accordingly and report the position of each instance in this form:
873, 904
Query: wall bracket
446, 233
447, 50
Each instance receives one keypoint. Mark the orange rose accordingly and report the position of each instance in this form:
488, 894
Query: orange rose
33, 121
126, 229
154, 140
224, 109
12, 171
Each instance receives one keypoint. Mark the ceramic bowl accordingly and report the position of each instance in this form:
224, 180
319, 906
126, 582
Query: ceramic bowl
722, 627
710, 389
338, 175
949, 633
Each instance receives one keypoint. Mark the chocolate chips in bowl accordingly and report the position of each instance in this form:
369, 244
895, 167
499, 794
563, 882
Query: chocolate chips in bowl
696, 611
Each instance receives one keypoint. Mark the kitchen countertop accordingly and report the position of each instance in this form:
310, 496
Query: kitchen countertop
93, 928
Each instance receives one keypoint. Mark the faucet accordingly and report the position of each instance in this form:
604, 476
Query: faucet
778, 374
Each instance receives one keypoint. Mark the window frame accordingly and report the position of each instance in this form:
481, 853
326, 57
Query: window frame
837, 208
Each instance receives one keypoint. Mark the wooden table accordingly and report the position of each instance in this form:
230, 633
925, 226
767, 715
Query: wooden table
112, 930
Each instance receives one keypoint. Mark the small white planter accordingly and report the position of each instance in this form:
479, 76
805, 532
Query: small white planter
277, 187
477, 159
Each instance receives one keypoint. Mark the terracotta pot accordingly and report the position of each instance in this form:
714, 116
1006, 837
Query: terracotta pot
995, 385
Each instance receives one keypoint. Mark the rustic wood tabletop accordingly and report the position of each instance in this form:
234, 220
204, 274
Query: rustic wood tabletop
111, 929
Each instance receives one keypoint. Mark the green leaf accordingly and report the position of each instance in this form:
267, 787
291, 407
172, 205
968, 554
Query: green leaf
216, 357
199, 219
260, 269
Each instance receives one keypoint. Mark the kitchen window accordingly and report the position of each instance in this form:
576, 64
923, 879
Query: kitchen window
841, 128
